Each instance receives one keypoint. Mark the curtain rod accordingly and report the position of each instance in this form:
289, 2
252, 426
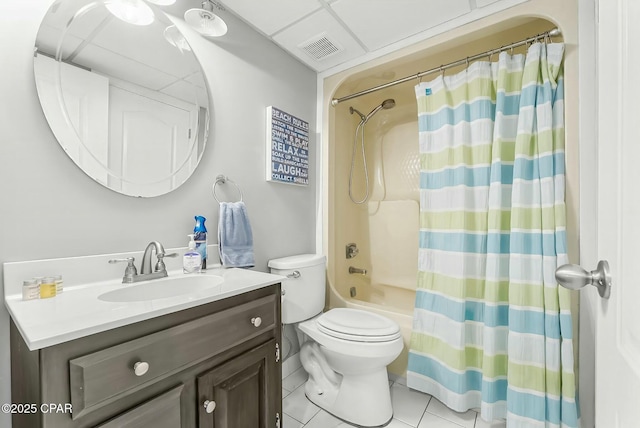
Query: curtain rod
551, 33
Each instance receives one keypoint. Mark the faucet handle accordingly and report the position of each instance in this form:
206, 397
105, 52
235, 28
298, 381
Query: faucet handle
130, 271
167, 255
160, 263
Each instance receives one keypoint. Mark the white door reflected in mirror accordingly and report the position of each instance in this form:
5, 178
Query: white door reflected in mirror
127, 103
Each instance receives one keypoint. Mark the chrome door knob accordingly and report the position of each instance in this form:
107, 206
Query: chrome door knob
209, 406
575, 277
140, 368
257, 321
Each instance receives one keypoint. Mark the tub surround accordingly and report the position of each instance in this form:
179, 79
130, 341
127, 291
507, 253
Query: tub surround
78, 312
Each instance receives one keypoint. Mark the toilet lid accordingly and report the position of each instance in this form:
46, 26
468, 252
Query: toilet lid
357, 325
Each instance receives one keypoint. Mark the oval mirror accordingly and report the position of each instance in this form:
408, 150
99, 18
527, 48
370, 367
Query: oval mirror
123, 93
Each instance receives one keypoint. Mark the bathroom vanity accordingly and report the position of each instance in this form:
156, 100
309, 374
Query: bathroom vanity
212, 362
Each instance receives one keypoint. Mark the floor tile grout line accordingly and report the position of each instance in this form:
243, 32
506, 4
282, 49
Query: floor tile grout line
425, 410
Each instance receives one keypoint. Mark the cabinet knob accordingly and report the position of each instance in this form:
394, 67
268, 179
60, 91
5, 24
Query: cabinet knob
256, 321
209, 406
141, 368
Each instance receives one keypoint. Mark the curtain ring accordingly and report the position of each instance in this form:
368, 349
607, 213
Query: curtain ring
511, 51
490, 55
419, 77
467, 62
442, 70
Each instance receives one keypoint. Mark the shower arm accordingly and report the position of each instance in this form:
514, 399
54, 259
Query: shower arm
542, 36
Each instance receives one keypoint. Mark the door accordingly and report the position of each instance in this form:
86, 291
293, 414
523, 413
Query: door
244, 392
618, 319
79, 114
149, 140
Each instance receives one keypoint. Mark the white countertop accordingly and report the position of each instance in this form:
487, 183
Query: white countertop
78, 312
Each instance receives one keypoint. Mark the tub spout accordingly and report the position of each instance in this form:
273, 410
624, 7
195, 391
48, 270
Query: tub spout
353, 270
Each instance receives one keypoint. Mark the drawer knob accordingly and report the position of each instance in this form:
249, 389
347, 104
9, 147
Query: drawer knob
209, 406
141, 368
256, 321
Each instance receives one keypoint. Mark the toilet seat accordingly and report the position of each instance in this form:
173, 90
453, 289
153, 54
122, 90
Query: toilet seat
357, 325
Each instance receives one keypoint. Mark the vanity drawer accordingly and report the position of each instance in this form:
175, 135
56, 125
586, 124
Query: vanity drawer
160, 412
102, 377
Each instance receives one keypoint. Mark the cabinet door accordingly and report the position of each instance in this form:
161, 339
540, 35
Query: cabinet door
244, 392
160, 412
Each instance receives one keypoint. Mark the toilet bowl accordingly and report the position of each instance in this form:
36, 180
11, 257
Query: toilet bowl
346, 351
347, 364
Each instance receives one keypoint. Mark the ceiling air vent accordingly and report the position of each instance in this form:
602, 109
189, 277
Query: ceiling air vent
320, 47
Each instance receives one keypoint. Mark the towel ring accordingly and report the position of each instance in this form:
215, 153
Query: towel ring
221, 179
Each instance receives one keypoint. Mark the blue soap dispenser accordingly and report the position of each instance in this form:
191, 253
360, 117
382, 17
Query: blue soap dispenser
192, 261
200, 232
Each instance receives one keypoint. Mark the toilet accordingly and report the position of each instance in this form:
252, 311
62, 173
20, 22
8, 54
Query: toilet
346, 351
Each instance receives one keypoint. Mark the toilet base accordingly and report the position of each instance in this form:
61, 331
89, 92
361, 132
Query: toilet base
362, 400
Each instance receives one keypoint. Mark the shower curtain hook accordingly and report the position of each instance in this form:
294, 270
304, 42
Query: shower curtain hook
442, 70
467, 59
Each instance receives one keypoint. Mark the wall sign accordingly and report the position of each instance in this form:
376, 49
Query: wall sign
287, 148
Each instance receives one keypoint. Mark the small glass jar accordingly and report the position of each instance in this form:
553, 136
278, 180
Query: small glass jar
59, 284
30, 289
47, 288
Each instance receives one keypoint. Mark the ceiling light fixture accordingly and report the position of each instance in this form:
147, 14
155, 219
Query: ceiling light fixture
134, 12
175, 38
205, 21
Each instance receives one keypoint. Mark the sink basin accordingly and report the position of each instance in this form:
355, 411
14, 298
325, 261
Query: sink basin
163, 288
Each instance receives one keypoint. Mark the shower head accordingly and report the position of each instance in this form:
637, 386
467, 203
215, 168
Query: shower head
386, 104
389, 103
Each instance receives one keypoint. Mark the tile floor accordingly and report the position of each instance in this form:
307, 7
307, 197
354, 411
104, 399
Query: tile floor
411, 409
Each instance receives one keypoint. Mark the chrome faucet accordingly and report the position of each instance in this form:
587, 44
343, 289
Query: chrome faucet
160, 270
145, 266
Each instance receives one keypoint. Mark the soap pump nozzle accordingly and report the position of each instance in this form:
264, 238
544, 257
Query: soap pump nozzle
192, 242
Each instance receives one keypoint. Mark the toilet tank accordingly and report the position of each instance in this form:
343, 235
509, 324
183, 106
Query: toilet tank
304, 289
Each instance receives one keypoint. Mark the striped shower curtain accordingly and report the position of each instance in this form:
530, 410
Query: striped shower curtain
492, 330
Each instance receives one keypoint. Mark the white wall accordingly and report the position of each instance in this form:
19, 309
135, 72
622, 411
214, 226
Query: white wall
49, 208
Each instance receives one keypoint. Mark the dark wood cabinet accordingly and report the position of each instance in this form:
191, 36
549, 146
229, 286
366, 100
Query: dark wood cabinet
160, 372
239, 393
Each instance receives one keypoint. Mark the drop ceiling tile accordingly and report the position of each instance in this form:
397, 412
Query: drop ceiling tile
147, 46
319, 24
270, 16
49, 38
186, 92
379, 23
482, 3
109, 63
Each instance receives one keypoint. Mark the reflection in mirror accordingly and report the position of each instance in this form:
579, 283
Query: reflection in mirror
125, 98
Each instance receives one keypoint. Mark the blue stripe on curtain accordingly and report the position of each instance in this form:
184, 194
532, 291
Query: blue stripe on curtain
492, 242
493, 390
469, 310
